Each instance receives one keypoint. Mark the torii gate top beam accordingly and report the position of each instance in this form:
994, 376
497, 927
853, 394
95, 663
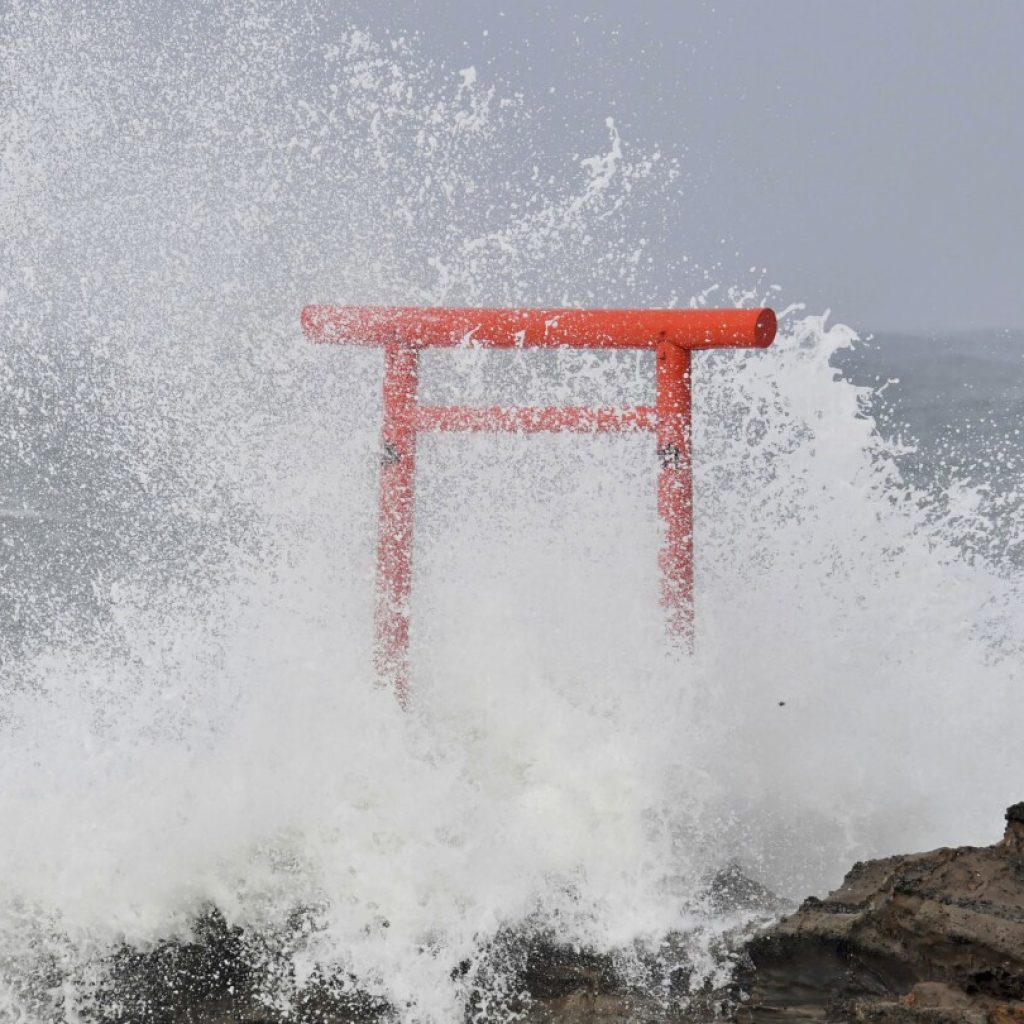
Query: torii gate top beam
540, 328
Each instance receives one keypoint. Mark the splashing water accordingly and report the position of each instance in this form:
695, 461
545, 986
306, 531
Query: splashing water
187, 710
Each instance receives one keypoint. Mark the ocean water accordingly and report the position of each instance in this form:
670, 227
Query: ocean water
188, 713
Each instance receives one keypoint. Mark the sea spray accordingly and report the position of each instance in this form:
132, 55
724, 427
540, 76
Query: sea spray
188, 710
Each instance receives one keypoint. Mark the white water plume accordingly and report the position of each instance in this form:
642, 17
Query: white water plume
188, 712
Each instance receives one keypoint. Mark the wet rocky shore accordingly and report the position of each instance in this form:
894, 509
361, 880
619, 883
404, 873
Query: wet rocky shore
927, 938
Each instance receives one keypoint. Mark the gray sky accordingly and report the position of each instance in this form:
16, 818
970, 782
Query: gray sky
868, 154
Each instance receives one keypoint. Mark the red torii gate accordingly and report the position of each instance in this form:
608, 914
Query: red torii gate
403, 331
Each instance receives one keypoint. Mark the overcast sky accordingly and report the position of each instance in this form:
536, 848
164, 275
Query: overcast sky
869, 154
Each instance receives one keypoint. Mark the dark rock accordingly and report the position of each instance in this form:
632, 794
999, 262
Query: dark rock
731, 890
559, 984
1014, 837
927, 937
224, 975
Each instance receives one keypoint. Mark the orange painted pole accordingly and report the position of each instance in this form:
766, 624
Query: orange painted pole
431, 327
554, 419
675, 491
395, 518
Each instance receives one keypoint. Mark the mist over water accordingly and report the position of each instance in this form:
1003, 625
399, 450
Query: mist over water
187, 709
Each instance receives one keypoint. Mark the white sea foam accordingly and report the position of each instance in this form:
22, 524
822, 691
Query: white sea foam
208, 732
